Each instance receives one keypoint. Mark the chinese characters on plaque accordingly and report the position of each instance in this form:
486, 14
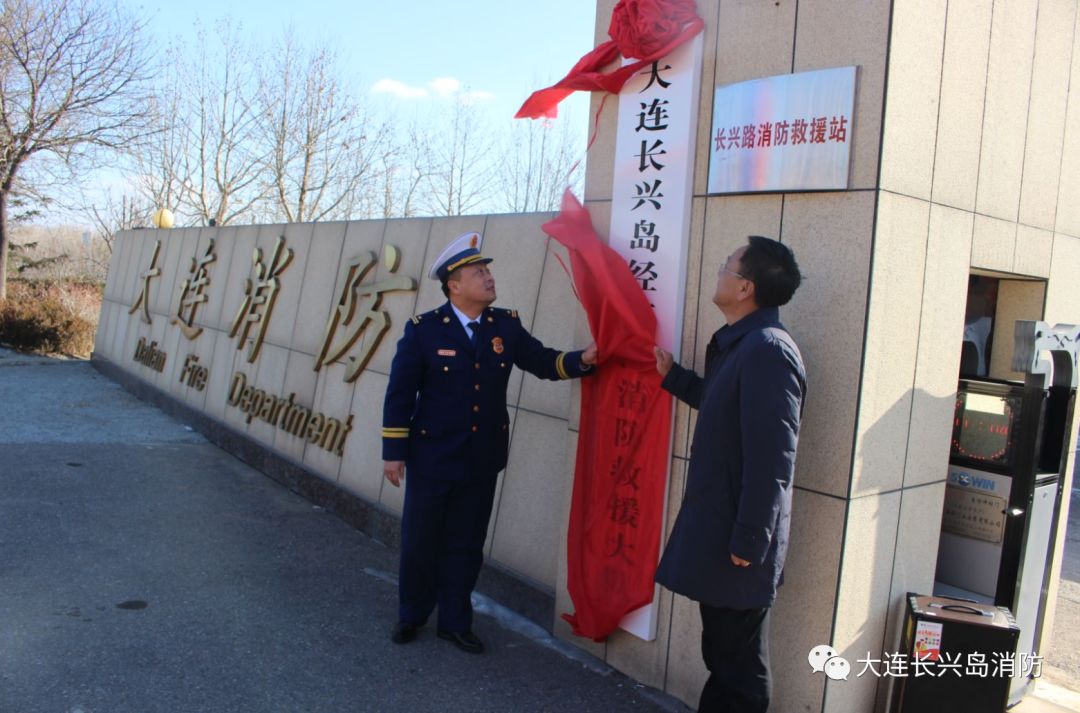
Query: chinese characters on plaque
650, 228
786, 133
816, 130
651, 191
971, 513
623, 507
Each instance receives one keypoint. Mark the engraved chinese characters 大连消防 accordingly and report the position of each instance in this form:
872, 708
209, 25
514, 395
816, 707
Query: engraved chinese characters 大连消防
192, 292
260, 295
143, 299
358, 307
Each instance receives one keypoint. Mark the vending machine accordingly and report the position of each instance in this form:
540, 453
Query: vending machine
1003, 495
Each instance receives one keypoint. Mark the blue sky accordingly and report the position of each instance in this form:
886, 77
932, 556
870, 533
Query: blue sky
414, 52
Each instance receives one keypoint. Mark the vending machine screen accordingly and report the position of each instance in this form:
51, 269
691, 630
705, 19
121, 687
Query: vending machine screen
984, 425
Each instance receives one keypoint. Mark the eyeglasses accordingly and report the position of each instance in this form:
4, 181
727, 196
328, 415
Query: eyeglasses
728, 270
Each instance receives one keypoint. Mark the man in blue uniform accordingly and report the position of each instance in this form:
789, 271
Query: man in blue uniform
727, 548
445, 421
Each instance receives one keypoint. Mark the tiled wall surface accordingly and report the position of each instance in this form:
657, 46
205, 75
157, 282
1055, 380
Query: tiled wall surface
965, 155
529, 509
991, 83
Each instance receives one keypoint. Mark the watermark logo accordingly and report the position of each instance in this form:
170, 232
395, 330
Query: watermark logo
824, 659
819, 655
939, 664
837, 668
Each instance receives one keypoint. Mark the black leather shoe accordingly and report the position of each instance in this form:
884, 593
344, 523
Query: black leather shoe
404, 632
467, 642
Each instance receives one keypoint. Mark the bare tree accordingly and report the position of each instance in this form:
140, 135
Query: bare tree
405, 166
113, 214
461, 175
535, 164
161, 159
72, 82
218, 158
324, 148
204, 159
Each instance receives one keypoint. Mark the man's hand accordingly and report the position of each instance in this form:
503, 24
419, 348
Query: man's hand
589, 356
739, 561
394, 471
664, 360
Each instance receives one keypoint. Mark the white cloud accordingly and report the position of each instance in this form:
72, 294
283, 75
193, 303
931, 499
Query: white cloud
398, 89
444, 86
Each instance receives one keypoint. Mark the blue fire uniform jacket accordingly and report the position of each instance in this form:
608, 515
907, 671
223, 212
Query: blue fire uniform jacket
445, 408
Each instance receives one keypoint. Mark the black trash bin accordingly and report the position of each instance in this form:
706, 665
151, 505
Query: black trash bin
944, 633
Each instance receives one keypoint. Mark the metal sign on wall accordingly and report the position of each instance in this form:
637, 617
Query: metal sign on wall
651, 201
786, 133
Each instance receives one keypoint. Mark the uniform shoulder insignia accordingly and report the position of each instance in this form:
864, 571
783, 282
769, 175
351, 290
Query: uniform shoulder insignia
426, 316
511, 313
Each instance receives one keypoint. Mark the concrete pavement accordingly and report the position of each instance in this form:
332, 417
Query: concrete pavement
143, 569
1065, 645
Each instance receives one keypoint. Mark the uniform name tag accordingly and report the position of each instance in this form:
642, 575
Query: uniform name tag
448, 352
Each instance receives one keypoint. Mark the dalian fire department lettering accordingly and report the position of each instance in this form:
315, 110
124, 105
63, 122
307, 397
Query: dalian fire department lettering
143, 300
193, 374
149, 355
193, 293
357, 311
300, 421
260, 296
358, 308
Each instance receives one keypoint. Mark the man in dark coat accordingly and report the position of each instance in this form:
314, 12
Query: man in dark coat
727, 548
445, 421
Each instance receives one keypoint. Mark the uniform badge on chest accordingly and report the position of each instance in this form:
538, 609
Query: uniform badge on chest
497, 345
447, 352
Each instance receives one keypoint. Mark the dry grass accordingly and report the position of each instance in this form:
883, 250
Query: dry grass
50, 318
50, 253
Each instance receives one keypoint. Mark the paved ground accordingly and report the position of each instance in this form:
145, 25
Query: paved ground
142, 569
1063, 657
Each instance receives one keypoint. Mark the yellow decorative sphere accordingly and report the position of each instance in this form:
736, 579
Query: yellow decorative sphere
162, 218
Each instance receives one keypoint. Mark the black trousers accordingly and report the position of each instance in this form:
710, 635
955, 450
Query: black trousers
735, 646
443, 527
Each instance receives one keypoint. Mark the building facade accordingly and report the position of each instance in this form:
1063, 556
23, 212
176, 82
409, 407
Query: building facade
965, 162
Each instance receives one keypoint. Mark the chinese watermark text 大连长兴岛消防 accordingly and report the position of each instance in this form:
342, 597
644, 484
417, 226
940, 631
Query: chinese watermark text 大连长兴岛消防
940, 664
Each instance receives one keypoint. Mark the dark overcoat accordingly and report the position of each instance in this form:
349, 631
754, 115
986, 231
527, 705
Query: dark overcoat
739, 482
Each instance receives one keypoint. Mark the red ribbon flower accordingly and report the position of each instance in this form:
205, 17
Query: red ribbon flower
645, 30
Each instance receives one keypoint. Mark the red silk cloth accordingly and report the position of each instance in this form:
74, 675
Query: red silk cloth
645, 30
616, 513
